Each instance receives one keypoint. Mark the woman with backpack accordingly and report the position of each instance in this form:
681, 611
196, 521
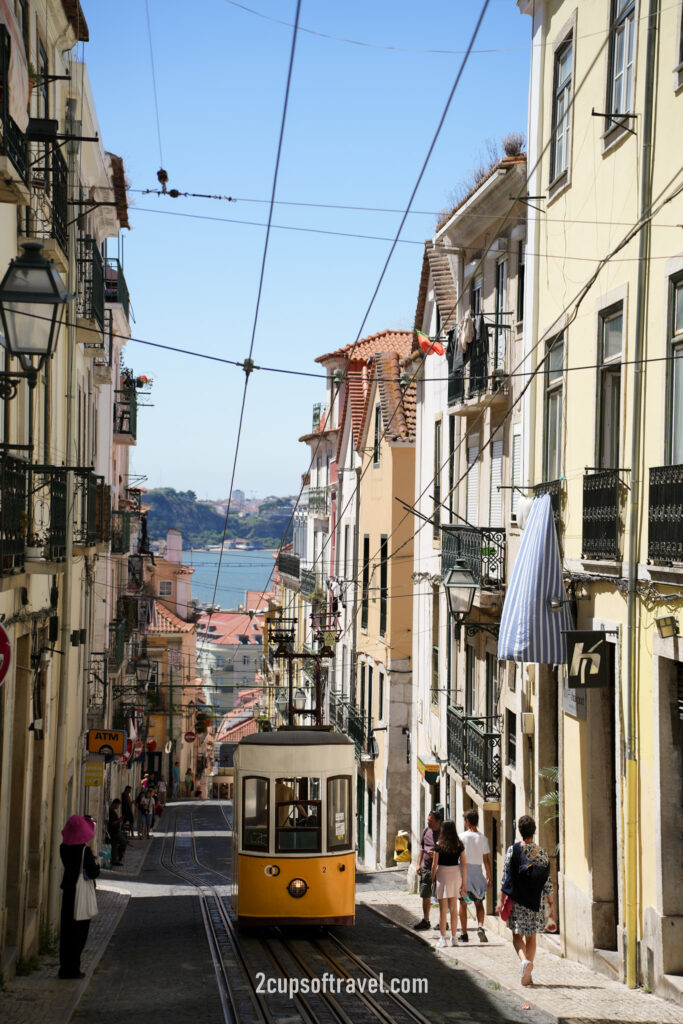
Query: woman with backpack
525, 894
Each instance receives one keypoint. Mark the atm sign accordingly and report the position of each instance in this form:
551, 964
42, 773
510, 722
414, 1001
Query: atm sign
106, 741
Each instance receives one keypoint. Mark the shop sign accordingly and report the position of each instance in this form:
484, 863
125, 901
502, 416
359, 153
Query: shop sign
94, 773
588, 659
430, 770
189, 737
106, 741
5, 654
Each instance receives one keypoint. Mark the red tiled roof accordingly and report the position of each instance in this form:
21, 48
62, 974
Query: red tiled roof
229, 627
398, 410
365, 348
258, 601
166, 621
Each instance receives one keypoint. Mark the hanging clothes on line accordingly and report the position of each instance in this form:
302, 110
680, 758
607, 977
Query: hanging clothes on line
465, 332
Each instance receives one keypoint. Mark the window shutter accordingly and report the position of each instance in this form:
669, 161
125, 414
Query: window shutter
516, 474
496, 496
473, 481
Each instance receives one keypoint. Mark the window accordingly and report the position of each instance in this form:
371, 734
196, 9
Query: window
165, 588
501, 292
521, 258
516, 470
245, 659
371, 811
362, 691
554, 408
622, 51
345, 572
297, 815
378, 435
437, 480
559, 154
451, 462
383, 580
339, 813
370, 695
475, 296
255, 813
676, 373
512, 738
470, 679
366, 583
472, 480
491, 688
495, 492
435, 643
609, 388
380, 697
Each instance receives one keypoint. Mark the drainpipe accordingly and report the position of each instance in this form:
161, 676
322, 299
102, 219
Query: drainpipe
354, 634
632, 644
73, 127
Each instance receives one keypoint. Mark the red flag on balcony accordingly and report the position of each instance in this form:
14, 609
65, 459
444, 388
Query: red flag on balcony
428, 346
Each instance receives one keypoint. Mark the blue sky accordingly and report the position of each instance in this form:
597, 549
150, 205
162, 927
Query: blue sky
359, 124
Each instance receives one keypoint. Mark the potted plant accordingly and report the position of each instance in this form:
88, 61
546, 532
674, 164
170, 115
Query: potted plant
143, 382
34, 78
35, 545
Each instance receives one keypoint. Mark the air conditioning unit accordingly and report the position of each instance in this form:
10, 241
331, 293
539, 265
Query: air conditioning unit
528, 723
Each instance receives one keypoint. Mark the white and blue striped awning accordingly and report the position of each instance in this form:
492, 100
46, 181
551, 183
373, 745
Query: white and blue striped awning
530, 630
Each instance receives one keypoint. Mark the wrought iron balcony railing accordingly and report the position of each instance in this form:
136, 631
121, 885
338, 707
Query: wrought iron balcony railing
310, 582
665, 515
117, 644
13, 143
355, 729
126, 413
13, 519
103, 360
102, 511
474, 751
555, 488
120, 532
47, 215
85, 506
115, 287
482, 549
47, 510
486, 366
318, 501
97, 684
602, 528
337, 711
90, 296
289, 564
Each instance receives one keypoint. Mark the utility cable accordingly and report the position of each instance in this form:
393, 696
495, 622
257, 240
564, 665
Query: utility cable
154, 84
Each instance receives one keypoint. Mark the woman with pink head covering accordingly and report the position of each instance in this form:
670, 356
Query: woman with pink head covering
76, 835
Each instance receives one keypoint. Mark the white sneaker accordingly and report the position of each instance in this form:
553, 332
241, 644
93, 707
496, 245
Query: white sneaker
443, 941
454, 941
527, 968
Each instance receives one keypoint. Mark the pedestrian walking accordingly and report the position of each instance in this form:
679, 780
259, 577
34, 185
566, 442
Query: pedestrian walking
526, 881
176, 780
479, 877
74, 851
127, 811
145, 813
449, 872
116, 837
161, 791
189, 782
428, 840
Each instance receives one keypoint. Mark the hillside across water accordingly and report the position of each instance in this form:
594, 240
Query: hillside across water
202, 525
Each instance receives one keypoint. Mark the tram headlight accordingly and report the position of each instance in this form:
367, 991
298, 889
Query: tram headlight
297, 888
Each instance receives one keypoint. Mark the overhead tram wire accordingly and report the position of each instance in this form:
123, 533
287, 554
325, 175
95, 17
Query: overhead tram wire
154, 82
248, 363
404, 217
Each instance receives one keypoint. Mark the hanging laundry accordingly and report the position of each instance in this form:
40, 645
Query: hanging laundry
429, 346
465, 332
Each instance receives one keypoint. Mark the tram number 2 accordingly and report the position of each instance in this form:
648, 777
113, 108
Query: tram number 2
324, 868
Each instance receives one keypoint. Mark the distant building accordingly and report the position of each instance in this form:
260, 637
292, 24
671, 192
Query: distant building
230, 649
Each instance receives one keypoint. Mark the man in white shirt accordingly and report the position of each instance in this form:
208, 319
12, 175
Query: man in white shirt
477, 852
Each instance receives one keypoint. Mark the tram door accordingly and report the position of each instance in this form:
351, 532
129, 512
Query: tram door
360, 816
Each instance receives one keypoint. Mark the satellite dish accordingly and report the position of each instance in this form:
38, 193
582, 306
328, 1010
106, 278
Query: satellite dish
169, 747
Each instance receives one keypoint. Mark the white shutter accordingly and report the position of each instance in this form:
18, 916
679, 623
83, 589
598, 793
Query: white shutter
516, 473
496, 495
473, 481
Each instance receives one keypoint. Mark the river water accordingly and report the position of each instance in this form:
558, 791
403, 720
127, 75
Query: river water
240, 571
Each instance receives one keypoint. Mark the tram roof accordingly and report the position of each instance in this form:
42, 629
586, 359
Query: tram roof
296, 738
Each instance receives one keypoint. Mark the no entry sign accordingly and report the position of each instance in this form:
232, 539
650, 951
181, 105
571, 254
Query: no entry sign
189, 737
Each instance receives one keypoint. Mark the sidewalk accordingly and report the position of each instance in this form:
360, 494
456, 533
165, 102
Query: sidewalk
41, 995
567, 991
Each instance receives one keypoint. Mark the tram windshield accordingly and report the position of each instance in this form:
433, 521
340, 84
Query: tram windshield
297, 814
339, 813
255, 813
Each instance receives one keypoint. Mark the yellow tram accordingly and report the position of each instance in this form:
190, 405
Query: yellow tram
294, 828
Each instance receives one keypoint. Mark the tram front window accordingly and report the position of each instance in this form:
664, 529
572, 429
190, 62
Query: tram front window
255, 813
297, 813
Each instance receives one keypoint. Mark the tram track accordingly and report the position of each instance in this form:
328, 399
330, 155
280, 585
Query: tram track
293, 967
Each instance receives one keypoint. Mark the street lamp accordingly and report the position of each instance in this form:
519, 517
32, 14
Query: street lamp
143, 670
460, 586
299, 699
32, 300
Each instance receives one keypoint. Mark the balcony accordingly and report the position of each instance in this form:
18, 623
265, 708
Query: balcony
602, 528
102, 511
115, 287
117, 644
97, 684
47, 510
103, 358
120, 532
85, 507
90, 294
318, 501
474, 751
289, 564
481, 549
14, 161
13, 499
310, 582
483, 375
665, 515
337, 712
46, 218
125, 416
355, 729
